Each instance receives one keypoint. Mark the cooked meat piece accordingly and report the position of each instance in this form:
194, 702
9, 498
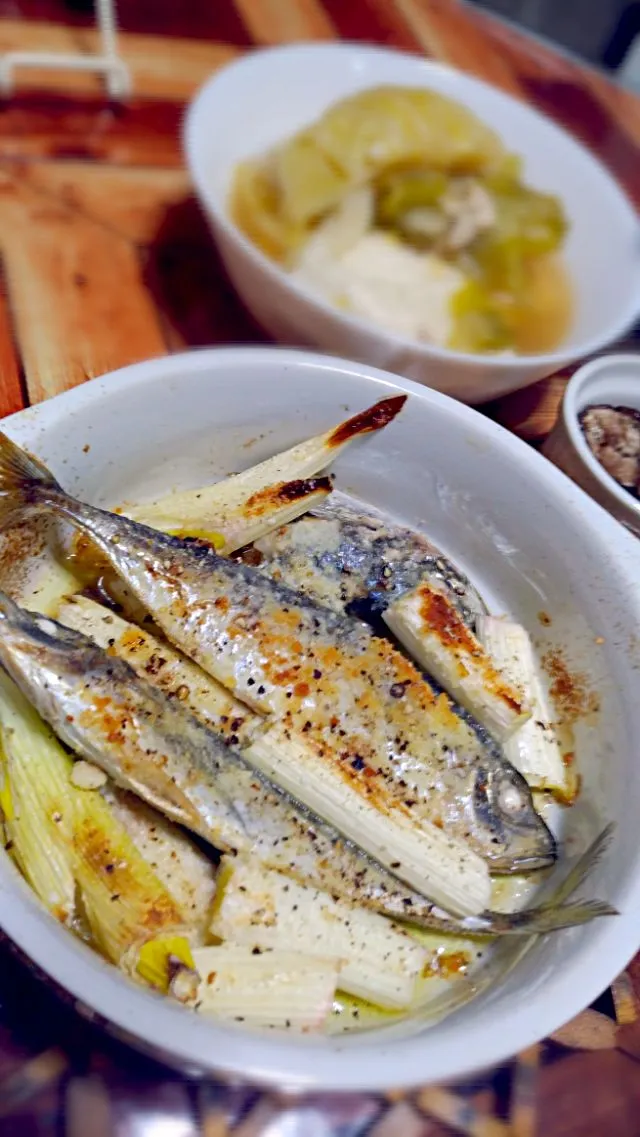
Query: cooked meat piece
613, 436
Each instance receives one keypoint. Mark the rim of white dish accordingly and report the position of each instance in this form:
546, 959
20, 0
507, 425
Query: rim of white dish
570, 415
555, 359
331, 1063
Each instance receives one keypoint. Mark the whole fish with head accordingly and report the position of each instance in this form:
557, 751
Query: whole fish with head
102, 710
352, 560
382, 727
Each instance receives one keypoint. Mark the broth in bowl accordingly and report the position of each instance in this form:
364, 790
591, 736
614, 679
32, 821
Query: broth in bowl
399, 206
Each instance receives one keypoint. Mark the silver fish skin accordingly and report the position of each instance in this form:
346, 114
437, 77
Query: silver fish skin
102, 710
320, 673
150, 745
352, 560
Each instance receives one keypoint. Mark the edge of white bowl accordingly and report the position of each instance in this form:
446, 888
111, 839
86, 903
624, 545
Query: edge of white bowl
552, 360
201, 1045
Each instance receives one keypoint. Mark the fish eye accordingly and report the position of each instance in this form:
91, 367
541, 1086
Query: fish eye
510, 798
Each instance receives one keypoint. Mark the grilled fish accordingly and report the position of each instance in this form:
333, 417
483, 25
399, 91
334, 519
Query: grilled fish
102, 710
316, 671
352, 560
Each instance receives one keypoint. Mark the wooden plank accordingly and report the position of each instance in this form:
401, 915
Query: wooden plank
455, 1111
190, 287
80, 306
158, 69
132, 201
144, 132
372, 20
590, 1030
200, 21
589, 1095
585, 102
11, 393
438, 26
285, 21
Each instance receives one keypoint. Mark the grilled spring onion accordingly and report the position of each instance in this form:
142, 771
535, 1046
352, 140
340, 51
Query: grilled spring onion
67, 839
433, 632
35, 801
238, 510
263, 909
420, 854
534, 749
125, 903
429, 860
281, 989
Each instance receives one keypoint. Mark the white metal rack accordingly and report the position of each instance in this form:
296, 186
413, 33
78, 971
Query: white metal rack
107, 62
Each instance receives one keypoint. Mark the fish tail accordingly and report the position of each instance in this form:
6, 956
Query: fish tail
551, 916
25, 483
584, 865
539, 921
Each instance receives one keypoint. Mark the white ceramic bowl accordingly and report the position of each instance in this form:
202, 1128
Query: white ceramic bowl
613, 380
530, 539
264, 97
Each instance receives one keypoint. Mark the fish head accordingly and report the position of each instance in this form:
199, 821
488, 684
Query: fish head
513, 835
35, 649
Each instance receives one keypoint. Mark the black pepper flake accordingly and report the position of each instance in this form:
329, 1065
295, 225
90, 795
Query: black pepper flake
316, 673
250, 682
358, 763
261, 689
397, 689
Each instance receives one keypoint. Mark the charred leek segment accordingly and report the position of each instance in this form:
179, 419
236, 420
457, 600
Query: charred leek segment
162, 665
125, 903
264, 909
35, 801
240, 509
184, 869
436, 865
433, 632
534, 749
64, 837
281, 989
245, 521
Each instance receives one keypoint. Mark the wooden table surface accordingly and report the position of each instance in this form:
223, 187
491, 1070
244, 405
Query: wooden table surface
106, 260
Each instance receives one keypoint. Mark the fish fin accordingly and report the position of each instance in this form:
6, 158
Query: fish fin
25, 483
584, 865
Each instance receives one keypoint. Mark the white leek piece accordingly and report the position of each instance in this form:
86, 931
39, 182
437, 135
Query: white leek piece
437, 865
534, 749
159, 663
236, 511
429, 625
280, 989
34, 798
264, 909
